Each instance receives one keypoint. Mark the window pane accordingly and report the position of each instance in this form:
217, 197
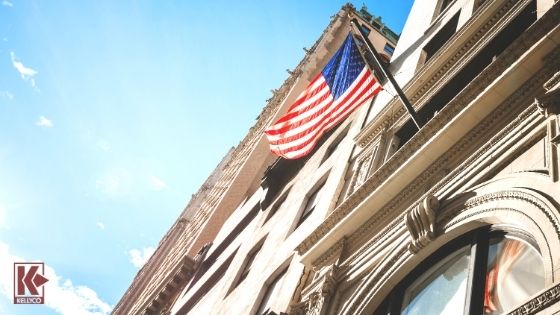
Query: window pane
442, 289
272, 290
515, 273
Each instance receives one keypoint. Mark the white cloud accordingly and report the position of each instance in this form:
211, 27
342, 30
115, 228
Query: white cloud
44, 122
26, 73
101, 225
61, 295
139, 257
7, 95
7, 3
157, 183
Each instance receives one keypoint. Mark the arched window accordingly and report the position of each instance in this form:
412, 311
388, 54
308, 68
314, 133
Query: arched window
485, 272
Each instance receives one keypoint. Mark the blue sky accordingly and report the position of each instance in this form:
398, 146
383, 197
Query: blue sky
112, 113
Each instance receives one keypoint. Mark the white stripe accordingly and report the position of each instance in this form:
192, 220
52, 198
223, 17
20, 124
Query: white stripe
307, 113
317, 119
314, 135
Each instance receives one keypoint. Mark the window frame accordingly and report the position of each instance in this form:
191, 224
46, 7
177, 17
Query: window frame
248, 262
314, 196
478, 240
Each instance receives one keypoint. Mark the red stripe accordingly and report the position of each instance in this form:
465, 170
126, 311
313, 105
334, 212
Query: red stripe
296, 113
303, 94
316, 128
325, 125
343, 103
296, 124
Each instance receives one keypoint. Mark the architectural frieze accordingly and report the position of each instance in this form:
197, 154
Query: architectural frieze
539, 302
394, 112
437, 123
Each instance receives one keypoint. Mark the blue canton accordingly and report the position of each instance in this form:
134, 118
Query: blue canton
343, 68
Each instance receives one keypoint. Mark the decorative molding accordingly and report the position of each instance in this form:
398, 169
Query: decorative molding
394, 112
316, 297
539, 302
503, 195
332, 255
420, 222
437, 123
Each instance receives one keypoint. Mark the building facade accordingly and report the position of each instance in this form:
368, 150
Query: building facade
460, 216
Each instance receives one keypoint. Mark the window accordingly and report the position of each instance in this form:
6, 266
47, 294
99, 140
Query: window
277, 205
439, 39
272, 290
332, 147
485, 272
485, 56
389, 49
248, 263
444, 5
365, 29
311, 203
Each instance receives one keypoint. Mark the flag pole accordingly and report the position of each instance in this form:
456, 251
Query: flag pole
388, 75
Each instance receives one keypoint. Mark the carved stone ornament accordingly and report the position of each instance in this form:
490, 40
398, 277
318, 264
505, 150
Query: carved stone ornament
316, 297
539, 302
549, 103
420, 222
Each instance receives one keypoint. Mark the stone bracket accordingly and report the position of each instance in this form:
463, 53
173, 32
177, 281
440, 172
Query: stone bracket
421, 221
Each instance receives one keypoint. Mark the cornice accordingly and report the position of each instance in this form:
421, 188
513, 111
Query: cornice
539, 302
482, 81
430, 78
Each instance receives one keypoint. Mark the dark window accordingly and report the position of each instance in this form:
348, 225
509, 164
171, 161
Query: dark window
440, 38
389, 49
444, 5
365, 29
332, 147
485, 272
248, 263
272, 289
470, 71
311, 203
209, 261
208, 285
277, 205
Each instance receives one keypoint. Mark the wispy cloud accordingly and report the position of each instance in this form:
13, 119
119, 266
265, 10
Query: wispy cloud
26, 73
44, 122
7, 3
138, 257
157, 183
101, 225
6, 95
61, 295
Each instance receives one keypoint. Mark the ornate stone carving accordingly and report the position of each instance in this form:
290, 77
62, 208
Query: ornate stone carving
540, 302
316, 297
421, 221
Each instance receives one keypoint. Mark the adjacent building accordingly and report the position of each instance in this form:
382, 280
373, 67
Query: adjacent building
460, 216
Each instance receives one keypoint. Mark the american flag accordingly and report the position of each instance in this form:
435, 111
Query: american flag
344, 84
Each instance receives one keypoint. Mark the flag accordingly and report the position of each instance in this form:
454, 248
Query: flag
345, 83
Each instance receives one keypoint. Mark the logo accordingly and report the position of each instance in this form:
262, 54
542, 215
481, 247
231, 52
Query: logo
28, 283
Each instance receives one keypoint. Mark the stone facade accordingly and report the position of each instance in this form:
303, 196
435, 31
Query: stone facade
484, 76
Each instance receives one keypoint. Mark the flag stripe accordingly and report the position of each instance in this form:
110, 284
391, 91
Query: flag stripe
313, 133
297, 124
291, 132
344, 84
